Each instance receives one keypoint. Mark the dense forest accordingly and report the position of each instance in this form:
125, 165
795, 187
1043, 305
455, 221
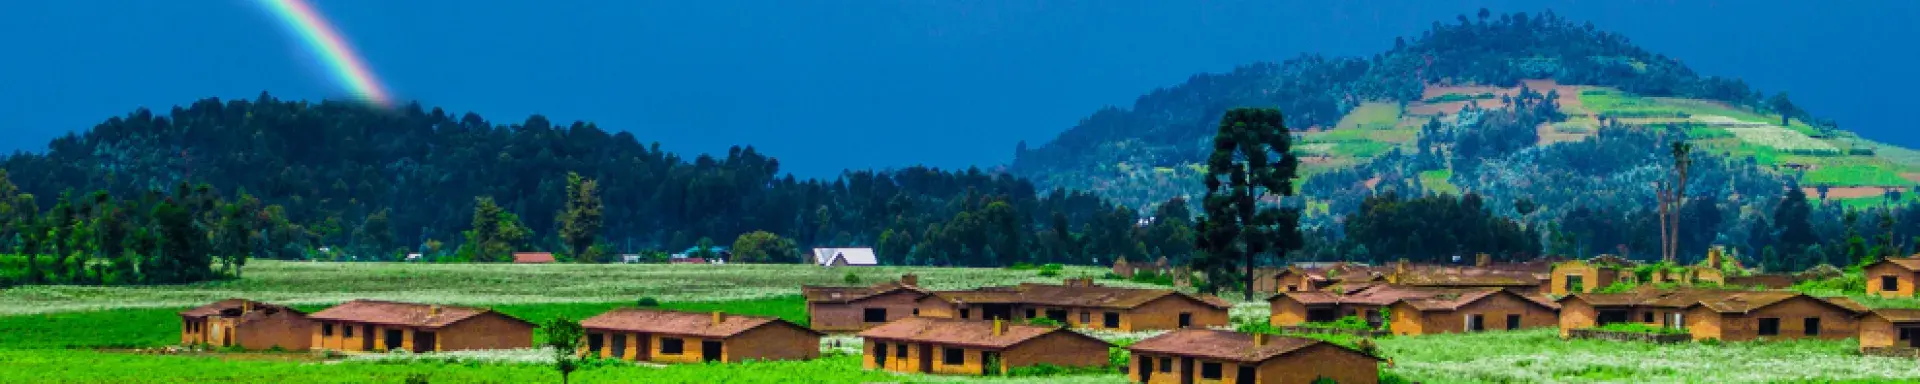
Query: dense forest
371, 184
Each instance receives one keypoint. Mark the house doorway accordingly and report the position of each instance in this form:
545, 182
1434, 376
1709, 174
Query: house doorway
1186, 370
926, 358
366, 338
710, 350
395, 339
1146, 369
424, 342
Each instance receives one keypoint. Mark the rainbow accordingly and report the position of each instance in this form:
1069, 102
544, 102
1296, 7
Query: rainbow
347, 68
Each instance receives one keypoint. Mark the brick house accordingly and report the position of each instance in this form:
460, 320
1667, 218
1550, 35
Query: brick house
246, 324
690, 337
1890, 329
1215, 356
1082, 304
1413, 310
1297, 278
1892, 277
1725, 315
1471, 310
1586, 276
1475, 277
372, 325
848, 309
965, 347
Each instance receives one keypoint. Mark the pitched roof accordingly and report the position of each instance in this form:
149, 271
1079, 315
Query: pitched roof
695, 324
1421, 298
1222, 345
1899, 315
977, 334
1908, 263
232, 307
854, 256
819, 294
1072, 296
1468, 277
404, 314
1718, 300
1455, 301
532, 257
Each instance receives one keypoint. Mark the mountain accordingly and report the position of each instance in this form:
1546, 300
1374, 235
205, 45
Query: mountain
380, 183
1522, 111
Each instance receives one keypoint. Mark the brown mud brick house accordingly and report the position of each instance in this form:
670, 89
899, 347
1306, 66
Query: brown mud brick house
1418, 310
1126, 270
1082, 304
532, 257
1465, 310
246, 324
692, 337
1891, 332
849, 309
1215, 356
372, 325
1300, 279
1892, 277
1725, 315
1461, 277
1586, 276
967, 347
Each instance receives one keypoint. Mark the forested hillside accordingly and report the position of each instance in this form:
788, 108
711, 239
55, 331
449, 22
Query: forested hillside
1554, 124
376, 184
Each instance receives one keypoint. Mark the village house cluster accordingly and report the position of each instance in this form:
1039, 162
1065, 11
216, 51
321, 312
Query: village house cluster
996, 330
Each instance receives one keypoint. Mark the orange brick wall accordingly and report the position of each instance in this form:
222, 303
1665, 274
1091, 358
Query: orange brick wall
1343, 365
773, 342
1834, 323
486, 331
283, 329
1058, 349
1905, 280
842, 317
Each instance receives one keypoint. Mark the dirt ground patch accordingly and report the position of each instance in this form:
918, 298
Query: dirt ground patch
1850, 192
1911, 176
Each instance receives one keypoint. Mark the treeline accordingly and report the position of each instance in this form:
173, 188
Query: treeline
372, 184
154, 238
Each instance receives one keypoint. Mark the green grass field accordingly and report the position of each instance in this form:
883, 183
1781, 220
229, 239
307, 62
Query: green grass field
100, 344
494, 284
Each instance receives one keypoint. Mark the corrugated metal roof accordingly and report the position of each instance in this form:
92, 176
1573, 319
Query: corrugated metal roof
853, 256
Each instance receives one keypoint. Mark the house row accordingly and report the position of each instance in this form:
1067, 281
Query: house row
1418, 310
1725, 315
1079, 303
359, 325
1192, 355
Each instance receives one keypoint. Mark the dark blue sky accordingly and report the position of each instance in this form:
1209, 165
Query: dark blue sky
827, 85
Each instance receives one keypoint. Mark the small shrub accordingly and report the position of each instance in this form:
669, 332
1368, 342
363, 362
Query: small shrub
1051, 270
648, 302
416, 378
851, 278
